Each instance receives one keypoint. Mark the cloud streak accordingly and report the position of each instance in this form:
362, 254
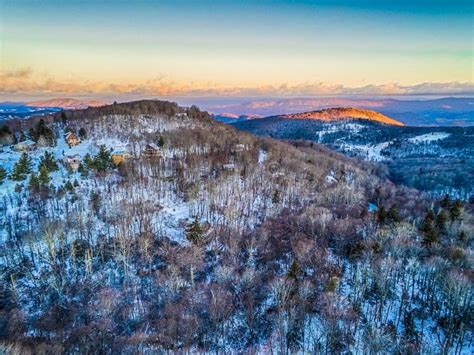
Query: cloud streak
24, 82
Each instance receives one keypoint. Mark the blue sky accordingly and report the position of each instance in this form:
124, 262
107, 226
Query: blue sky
179, 47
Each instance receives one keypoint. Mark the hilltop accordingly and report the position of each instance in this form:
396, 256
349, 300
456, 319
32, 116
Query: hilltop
342, 113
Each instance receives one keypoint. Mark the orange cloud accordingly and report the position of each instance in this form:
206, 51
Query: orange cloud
25, 82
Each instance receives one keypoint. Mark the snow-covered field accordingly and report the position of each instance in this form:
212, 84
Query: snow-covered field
429, 137
369, 151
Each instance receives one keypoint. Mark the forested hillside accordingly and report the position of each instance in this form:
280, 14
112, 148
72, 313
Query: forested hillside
147, 227
438, 160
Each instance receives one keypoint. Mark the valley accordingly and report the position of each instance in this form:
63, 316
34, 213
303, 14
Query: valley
438, 160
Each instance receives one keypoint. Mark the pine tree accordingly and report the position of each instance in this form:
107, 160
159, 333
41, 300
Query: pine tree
76, 183
409, 327
41, 129
82, 133
430, 235
3, 175
445, 202
88, 161
441, 220
194, 232
49, 162
393, 214
63, 117
43, 177
103, 161
276, 197
381, 215
68, 186
83, 170
455, 212
294, 272
22, 168
34, 184
161, 142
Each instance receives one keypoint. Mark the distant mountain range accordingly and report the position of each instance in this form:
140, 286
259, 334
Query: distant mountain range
432, 112
420, 112
67, 103
232, 118
10, 110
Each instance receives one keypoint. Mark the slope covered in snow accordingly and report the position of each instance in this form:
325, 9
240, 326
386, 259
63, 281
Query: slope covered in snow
181, 234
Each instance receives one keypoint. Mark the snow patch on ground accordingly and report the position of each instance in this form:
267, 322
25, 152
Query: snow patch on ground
371, 152
429, 137
262, 156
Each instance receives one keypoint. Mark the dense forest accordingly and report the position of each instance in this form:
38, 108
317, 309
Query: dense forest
177, 233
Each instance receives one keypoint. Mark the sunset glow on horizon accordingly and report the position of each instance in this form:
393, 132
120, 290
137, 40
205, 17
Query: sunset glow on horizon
51, 48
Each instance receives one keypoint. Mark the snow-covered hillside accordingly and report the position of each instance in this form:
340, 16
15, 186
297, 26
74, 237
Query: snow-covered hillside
437, 160
169, 232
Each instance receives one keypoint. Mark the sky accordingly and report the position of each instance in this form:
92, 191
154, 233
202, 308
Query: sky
102, 48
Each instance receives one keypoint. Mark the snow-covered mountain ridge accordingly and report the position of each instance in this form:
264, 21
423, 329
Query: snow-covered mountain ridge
149, 227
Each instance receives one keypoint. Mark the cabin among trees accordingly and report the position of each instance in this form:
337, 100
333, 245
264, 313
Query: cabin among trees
24, 146
71, 139
238, 148
119, 156
151, 150
72, 161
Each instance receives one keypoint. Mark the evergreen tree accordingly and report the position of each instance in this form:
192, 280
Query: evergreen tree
88, 161
76, 183
294, 272
393, 214
95, 201
43, 177
381, 215
34, 184
276, 197
462, 236
161, 142
5, 130
41, 129
445, 202
194, 232
455, 212
430, 235
82, 133
63, 117
49, 162
22, 168
409, 327
83, 170
3, 175
441, 220
68, 186
103, 161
